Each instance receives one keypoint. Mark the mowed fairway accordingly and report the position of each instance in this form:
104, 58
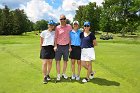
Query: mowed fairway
117, 68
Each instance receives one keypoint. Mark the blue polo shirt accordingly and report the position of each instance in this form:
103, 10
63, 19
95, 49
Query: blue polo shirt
87, 42
75, 37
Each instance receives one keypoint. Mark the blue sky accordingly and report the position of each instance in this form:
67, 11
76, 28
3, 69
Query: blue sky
47, 9
55, 3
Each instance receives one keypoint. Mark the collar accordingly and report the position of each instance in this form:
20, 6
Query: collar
75, 31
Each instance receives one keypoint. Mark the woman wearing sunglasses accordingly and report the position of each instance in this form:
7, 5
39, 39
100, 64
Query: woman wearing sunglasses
88, 41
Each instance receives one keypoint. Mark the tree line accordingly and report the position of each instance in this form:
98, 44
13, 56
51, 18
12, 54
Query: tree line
14, 22
116, 16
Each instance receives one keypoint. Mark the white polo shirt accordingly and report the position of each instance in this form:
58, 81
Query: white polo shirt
48, 37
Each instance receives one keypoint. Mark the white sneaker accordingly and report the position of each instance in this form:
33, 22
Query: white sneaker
85, 80
77, 77
92, 75
48, 77
73, 77
64, 76
58, 77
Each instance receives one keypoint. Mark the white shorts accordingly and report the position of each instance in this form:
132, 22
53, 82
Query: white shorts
87, 54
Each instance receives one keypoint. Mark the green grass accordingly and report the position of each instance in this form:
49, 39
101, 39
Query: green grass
117, 67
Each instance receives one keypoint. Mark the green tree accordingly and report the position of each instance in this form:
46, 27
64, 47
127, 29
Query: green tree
14, 22
120, 16
80, 15
90, 13
41, 25
6, 21
0, 21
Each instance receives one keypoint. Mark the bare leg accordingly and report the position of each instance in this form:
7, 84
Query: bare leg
86, 66
58, 67
73, 66
44, 67
89, 68
79, 67
49, 66
64, 67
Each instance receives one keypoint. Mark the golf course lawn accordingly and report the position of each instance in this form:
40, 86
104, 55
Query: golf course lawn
117, 68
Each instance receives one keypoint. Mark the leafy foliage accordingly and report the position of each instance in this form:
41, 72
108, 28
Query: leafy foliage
116, 16
14, 22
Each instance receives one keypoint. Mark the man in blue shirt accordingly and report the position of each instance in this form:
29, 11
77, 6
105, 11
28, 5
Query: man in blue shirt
75, 53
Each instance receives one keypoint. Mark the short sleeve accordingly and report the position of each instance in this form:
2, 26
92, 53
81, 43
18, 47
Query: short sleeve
70, 34
56, 29
79, 31
92, 36
42, 34
81, 34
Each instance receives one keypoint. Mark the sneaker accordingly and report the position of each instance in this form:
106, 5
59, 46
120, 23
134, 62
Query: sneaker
58, 77
48, 78
45, 81
85, 80
92, 75
73, 77
64, 76
77, 77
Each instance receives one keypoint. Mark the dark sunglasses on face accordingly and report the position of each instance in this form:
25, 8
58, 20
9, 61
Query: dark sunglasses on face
75, 24
63, 19
51, 25
86, 26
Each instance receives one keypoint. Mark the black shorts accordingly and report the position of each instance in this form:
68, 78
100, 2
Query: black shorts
75, 53
47, 52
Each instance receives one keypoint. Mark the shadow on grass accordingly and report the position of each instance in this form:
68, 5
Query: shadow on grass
99, 81
69, 80
104, 82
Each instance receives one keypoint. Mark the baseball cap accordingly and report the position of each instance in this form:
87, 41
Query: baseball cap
51, 22
86, 23
75, 22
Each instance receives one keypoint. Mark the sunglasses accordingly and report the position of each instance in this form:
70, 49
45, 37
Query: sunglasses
86, 25
75, 24
63, 19
51, 24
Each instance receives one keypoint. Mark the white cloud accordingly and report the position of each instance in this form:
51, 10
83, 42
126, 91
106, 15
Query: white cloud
1, 6
39, 9
13, 4
71, 5
36, 9
98, 2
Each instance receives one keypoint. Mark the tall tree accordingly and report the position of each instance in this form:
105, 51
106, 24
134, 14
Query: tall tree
80, 15
120, 16
90, 13
14, 22
41, 25
6, 21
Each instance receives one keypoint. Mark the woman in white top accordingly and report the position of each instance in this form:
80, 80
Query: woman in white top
47, 52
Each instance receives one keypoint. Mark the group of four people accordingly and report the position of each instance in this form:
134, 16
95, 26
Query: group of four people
58, 43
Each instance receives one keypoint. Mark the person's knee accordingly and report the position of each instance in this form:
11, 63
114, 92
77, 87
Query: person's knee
79, 62
58, 62
44, 63
50, 63
73, 62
